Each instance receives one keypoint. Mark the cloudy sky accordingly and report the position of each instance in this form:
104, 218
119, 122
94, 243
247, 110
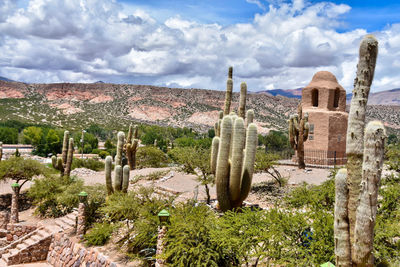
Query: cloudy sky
272, 44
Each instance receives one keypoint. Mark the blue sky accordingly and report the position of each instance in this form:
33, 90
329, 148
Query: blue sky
272, 44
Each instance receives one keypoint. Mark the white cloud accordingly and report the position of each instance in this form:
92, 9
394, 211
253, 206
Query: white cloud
88, 40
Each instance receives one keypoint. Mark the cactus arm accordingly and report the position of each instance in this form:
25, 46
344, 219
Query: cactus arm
228, 96
125, 178
60, 166
230, 72
70, 156
118, 178
341, 223
108, 167
248, 162
130, 134
222, 170
214, 154
242, 101
237, 144
250, 116
53, 161
374, 143
292, 132
356, 123
120, 145
65, 147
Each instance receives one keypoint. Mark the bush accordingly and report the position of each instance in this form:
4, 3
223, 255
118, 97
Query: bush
57, 196
91, 164
99, 234
150, 156
104, 154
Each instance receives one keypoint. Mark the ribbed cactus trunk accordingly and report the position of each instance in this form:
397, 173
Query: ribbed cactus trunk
120, 147
70, 156
228, 94
356, 123
250, 116
374, 142
242, 100
108, 169
54, 162
131, 145
365, 152
341, 222
118, 178
125, 178
234, 164
65, 147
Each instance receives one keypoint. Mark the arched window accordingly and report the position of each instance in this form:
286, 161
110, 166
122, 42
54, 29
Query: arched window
314, 97
336, 99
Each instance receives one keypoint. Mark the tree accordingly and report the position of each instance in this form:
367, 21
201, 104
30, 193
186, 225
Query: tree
21, 170
53, 142
195, 160
33, 135
8, 135
265, 163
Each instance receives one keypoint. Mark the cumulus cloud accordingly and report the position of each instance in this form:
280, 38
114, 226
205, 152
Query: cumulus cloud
88, 40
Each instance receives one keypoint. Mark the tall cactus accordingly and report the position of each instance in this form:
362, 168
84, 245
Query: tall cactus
298, 134
242, 101
131, 146
70, 156
65, 148
120, 147
108, 169
365, 151
233, 161
228, 94
355, 130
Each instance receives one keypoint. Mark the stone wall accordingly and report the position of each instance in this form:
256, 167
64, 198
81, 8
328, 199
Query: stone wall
65, 252
24, 201
33, 253
16, 231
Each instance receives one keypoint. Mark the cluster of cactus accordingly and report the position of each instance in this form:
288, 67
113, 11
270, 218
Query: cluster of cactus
357, 185
121, 174
298, 134
233, 151
131, 146
64, 163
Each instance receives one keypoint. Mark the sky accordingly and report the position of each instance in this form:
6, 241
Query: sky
271, 44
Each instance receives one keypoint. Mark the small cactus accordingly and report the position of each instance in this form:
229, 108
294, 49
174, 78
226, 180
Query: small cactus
298, 134
54, 161
125, 178
108, 169
121, 177
234, 161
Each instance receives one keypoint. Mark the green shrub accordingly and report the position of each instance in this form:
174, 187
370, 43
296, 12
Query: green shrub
150, 156
91, 164
99, 234
103, 154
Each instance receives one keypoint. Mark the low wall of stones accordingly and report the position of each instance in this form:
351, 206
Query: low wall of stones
64, 252
16, 231
32, 253
24, 202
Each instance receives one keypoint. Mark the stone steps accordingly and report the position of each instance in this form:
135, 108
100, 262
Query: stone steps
36, 241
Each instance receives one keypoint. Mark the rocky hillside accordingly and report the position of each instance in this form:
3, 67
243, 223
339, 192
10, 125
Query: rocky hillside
76, 106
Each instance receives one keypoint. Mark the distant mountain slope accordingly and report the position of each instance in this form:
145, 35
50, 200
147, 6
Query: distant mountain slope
115, 106
5, 79
388, 97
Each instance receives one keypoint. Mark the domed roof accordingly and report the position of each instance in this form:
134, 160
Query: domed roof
324, 79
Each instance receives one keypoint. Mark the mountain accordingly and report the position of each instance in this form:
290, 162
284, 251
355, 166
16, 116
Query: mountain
388, 97
76, 106
5, 79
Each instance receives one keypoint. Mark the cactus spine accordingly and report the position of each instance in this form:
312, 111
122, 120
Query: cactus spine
233, 173
365, 152
131, 146
355, 130
298, 134
70, 156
